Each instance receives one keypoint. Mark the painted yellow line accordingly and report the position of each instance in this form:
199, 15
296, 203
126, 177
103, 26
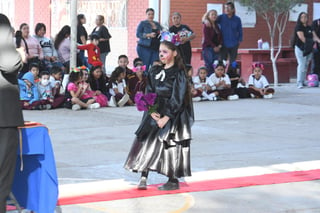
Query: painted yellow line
189, 203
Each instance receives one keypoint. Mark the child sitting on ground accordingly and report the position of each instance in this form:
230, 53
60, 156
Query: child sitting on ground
48, 101
201, 86
130, 77
238, 84
140, 81
93, 50
56, 81
97, 80
89, 93
117, 88
29, 95
220, 82
258, 83
75, 90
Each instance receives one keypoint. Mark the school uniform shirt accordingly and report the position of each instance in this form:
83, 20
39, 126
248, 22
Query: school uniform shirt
214, 79
121, 86
198, 83
260, 83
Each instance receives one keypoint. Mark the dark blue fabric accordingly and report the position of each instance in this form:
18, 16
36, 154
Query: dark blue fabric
231, 29
36, 186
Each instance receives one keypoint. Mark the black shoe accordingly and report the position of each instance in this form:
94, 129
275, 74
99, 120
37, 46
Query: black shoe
142, 184
170, 185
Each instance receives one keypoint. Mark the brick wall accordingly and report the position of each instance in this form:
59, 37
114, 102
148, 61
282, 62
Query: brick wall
192, 12
136, 13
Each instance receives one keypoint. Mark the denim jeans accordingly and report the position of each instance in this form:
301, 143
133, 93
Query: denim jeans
303, 63
147, 55
103, 60
209, 56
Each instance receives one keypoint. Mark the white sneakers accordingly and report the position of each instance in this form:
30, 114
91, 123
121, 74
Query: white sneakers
94, 106
196, 99
76, 107
268, 96
112, 102
123, 100
233, 97
210, 97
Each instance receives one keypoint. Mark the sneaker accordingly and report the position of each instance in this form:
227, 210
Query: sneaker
76, 107
196, 99
48, 106
300, 86
142, 184
252, 95
112, 102
233, 97
208, 97
268, 96
213, 97
94, 106
123, 100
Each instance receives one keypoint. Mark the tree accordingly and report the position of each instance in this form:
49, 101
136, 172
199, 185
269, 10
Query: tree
275, 13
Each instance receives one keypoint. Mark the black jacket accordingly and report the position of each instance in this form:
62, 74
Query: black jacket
10, 64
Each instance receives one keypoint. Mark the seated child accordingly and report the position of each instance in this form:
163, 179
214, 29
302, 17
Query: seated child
220, 82
89, 93
140, 81
29, 95
130, 78
202, 87
117, 88
75, 90
237, 83
48, 101
93, 50
56, 81
258, 83
97, 80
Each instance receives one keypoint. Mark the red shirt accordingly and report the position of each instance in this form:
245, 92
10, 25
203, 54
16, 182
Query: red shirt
93, 53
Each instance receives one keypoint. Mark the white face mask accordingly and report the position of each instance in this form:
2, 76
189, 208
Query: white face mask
44, 82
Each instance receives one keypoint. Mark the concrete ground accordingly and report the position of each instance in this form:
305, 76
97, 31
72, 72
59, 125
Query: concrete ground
235, 136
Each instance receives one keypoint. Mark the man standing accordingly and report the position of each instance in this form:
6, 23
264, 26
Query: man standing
10, 109
231, 28
316, 52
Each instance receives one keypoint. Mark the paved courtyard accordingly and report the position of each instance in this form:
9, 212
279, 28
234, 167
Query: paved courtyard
230, 139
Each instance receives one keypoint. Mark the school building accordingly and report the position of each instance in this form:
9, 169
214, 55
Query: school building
123, 16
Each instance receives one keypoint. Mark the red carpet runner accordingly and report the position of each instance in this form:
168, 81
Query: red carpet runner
208, 185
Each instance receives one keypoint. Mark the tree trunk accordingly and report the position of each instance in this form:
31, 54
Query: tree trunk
275, 71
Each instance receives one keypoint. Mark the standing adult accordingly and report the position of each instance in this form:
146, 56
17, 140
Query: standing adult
104, 38
32, 47
10, 109
212, 39
231, 28
186, 35
63, 44
316, 52
148, 32
82, 37
303, 47
49, 52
